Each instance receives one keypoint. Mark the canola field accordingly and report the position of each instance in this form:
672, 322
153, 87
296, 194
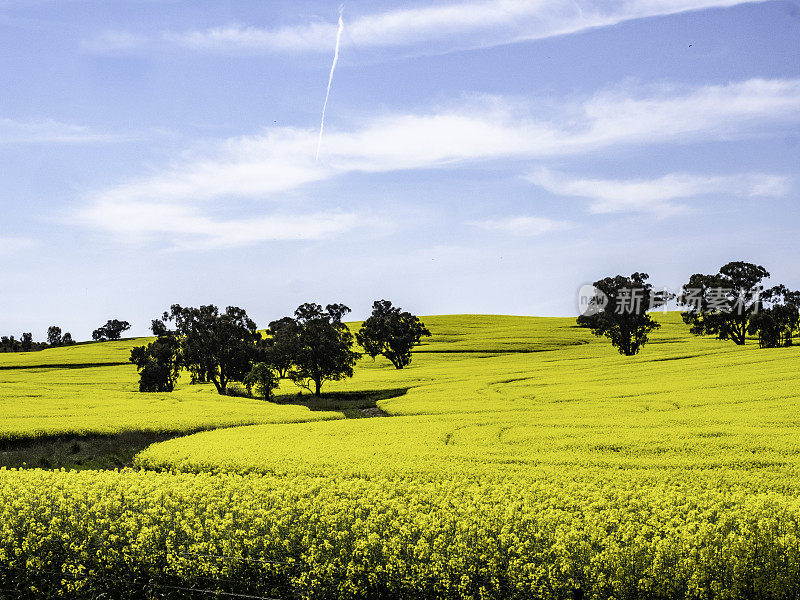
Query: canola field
93, 389
525, 459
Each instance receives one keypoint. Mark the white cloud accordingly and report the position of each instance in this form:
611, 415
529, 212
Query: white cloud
627, 116
522, 226
267, 166
250, 166
115, 41
445, 26
657, 195
185, 227
715, 110
769, 186
282, 159
48, 131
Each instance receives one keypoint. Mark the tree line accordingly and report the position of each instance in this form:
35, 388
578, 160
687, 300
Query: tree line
55, 339
112, 330
309, 348
731, 304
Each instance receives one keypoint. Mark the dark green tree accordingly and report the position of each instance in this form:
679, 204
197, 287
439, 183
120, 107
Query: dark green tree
391, 332
7, 343
221, 346
777, 319
263, 377
112, 330
281, 345
26, 342
618, 311
159, 362
325, 351
723, 304
54, 337
197, 371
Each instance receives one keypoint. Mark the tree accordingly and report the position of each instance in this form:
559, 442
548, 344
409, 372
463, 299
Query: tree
777, 318
54, 336
159, 362
55, 339
222, 346
264, 378
391, 333
325, 350
723, 304
159, 327
618, 311
26, 342
282, 345
112, 330
8, 343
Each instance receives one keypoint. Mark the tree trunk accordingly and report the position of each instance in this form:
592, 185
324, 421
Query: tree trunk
318, 386
221, 384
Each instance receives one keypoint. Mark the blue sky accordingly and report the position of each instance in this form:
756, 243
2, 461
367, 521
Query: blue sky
478, 155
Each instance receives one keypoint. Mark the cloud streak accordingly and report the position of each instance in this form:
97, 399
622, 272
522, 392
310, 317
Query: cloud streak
440, 27
187, 228
48, 131
658, 195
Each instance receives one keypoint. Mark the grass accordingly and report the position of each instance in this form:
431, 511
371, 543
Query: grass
353, 404
78, 452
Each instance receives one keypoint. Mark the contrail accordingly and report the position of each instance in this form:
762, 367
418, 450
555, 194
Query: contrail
330, 78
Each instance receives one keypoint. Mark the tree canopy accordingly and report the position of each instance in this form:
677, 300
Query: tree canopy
618, 311
158, 362
55, 338
263, 378
777, 319
325, 346
722, 304
112, 330
281, 345
222, 345
391, 332
54, 335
